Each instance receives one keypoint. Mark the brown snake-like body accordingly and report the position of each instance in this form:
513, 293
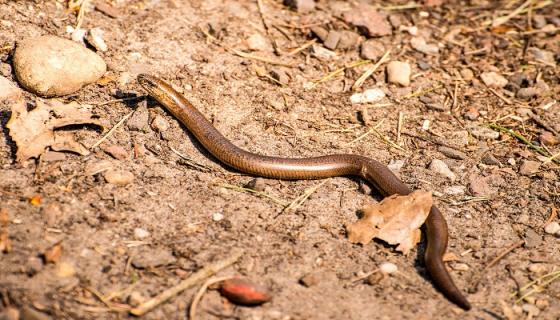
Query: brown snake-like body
308, 168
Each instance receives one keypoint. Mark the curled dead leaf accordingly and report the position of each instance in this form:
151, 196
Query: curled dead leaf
395, 220
33, 131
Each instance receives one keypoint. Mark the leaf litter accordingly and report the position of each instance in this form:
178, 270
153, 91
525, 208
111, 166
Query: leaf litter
396, 220
34, 131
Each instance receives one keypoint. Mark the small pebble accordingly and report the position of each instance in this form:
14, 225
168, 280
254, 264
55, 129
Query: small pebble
135, 298
139, 119
257, 184
244, 292
529, 168
119, 177
419, 44
441, 167
310, 279
452, 153
65, 269
95, 38
217, 216
472, 114
424, 65
160, 124
151, 257
332, 39
348, 40
532, 310
539, 21
542, 55
257, 42
527, 93
51, 156
78, 35
53, 66
399, 72
484, 133
322, 53
140, 233
28, 313
542, 304
301, 6
455, 190
490, 160
124, 78
280, 75
372, 50
493, 80
388, 268
368, 96
368, 20
552, 228
460, 267
538, 268
117, 152
320, 32
96, 167
532, 239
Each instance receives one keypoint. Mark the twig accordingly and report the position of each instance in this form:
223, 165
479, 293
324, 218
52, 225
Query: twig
503, 19
552, 277
298, 201
302, 47
200, 293
255, 192
201, 274
399, 127
81, 14
190, 161
367, 133
499, 95
421, 92
370, 71
267, 27
112, 130
503, 254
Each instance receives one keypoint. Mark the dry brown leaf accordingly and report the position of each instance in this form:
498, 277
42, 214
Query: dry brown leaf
33, 131
395, 220
53, 254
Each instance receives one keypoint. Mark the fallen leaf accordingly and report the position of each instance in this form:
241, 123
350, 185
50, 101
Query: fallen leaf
33, 131
53, 254
395, 220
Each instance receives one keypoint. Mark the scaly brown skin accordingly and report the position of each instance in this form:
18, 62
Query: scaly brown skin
308, 168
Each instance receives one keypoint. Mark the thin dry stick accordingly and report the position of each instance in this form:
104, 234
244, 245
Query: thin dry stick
340, 70
198, 276
399, 127
117, 100
503, 19
503, 254
302, 47
387, 140
370, 71
81, 14
200, 293
367, 133
301, 199
499, 95
553, 276
255, 192
112, 130
190, 161
267, 27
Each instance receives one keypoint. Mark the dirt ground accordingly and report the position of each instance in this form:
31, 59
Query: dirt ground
123, 244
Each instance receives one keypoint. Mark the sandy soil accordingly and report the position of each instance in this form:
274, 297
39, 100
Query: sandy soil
176, 218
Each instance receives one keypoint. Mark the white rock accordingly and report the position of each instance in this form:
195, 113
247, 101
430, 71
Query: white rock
419, 44
368, 96
493, 80
217, 216
321, 53
484, 133
552, 228
95, 38
455, 190
53, 66
140, 233
440, 167
399, 72
258, 42
78, 35
388, 268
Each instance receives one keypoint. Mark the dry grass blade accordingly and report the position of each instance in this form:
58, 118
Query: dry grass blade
258, 193
191, 162
200, 293
339, 71
302, 47
537, 285
100, 141
298, 201
370, 70
421, 92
